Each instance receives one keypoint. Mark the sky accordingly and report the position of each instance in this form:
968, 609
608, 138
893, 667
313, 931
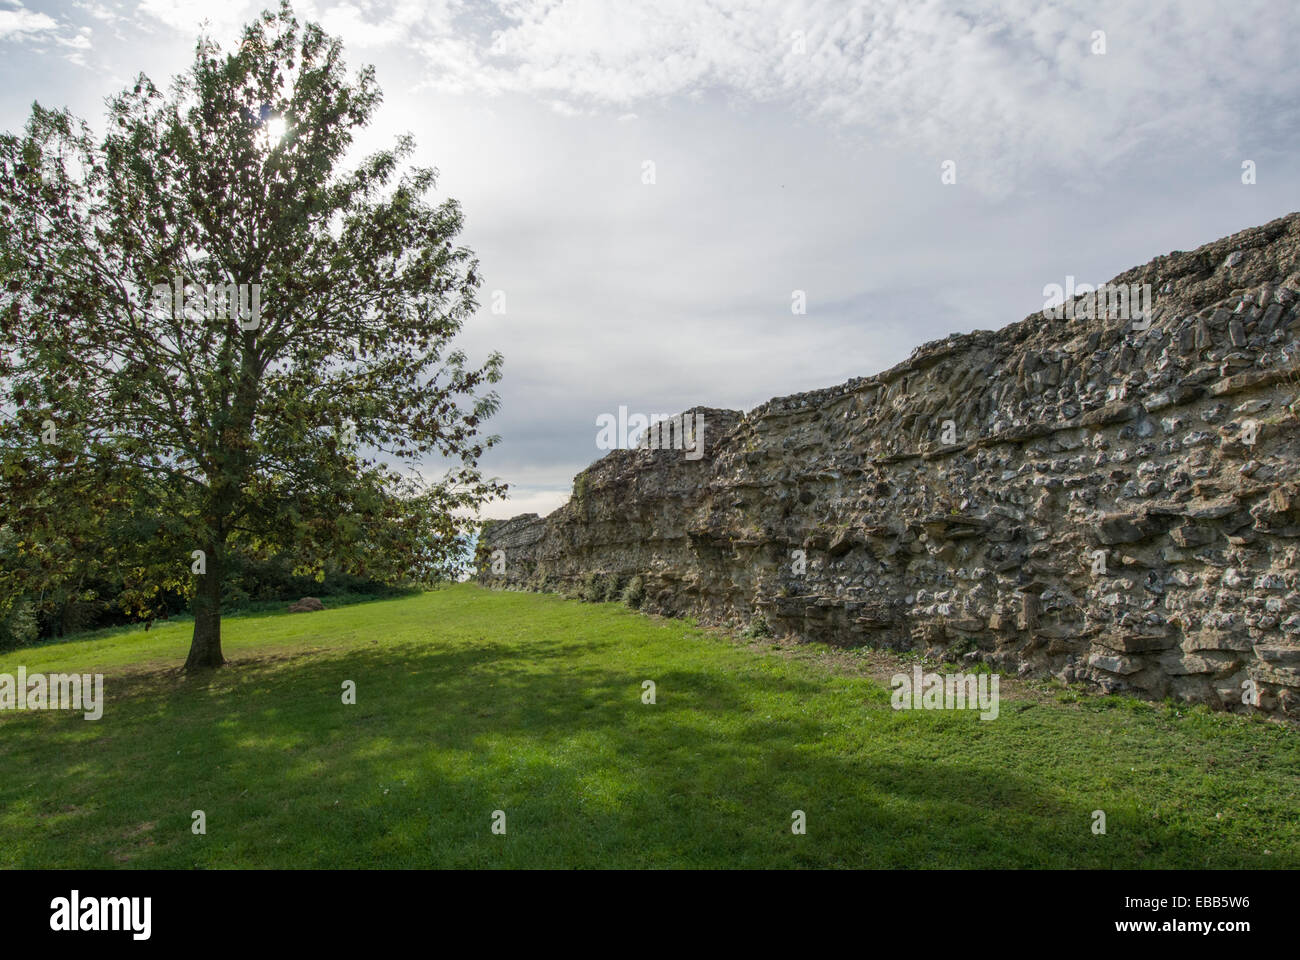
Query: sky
652, 187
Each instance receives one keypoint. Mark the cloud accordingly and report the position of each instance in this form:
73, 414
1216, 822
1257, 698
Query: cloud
540, 502
18, 24
979, 85
1012, 92
362, 26
22, 24
565, 109
99, 11
225, 20
79, 41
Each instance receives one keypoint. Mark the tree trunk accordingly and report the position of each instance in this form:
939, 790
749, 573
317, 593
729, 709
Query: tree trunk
205, 647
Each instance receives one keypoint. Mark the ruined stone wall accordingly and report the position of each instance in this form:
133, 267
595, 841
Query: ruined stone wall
1082, 497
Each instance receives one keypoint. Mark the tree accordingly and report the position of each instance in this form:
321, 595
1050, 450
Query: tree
215, 337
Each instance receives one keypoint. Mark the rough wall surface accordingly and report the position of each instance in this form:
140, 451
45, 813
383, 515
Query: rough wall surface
1113, 505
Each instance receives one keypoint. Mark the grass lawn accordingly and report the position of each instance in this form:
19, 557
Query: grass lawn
471, 701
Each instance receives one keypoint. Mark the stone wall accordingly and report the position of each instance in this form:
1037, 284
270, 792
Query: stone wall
1082, 497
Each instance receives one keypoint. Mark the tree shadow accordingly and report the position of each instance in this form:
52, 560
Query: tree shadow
588, 775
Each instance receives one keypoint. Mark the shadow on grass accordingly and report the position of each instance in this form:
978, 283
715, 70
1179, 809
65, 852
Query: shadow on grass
587, 775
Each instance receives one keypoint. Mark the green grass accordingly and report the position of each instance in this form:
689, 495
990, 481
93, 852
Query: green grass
470, 701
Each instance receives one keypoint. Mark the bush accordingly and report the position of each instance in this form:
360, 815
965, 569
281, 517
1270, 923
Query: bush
634, 592
593, 587
78, 615
758, 629
19, 626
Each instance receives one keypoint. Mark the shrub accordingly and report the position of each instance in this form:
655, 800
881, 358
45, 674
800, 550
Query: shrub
18, 626
962, 646
758, 629
634, 592
593, 587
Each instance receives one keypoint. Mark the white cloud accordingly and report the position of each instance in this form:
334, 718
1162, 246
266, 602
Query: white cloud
225, 20
1006, 89
22, 24
564, 109
99, 11
540, 502
358, 26
79, 41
